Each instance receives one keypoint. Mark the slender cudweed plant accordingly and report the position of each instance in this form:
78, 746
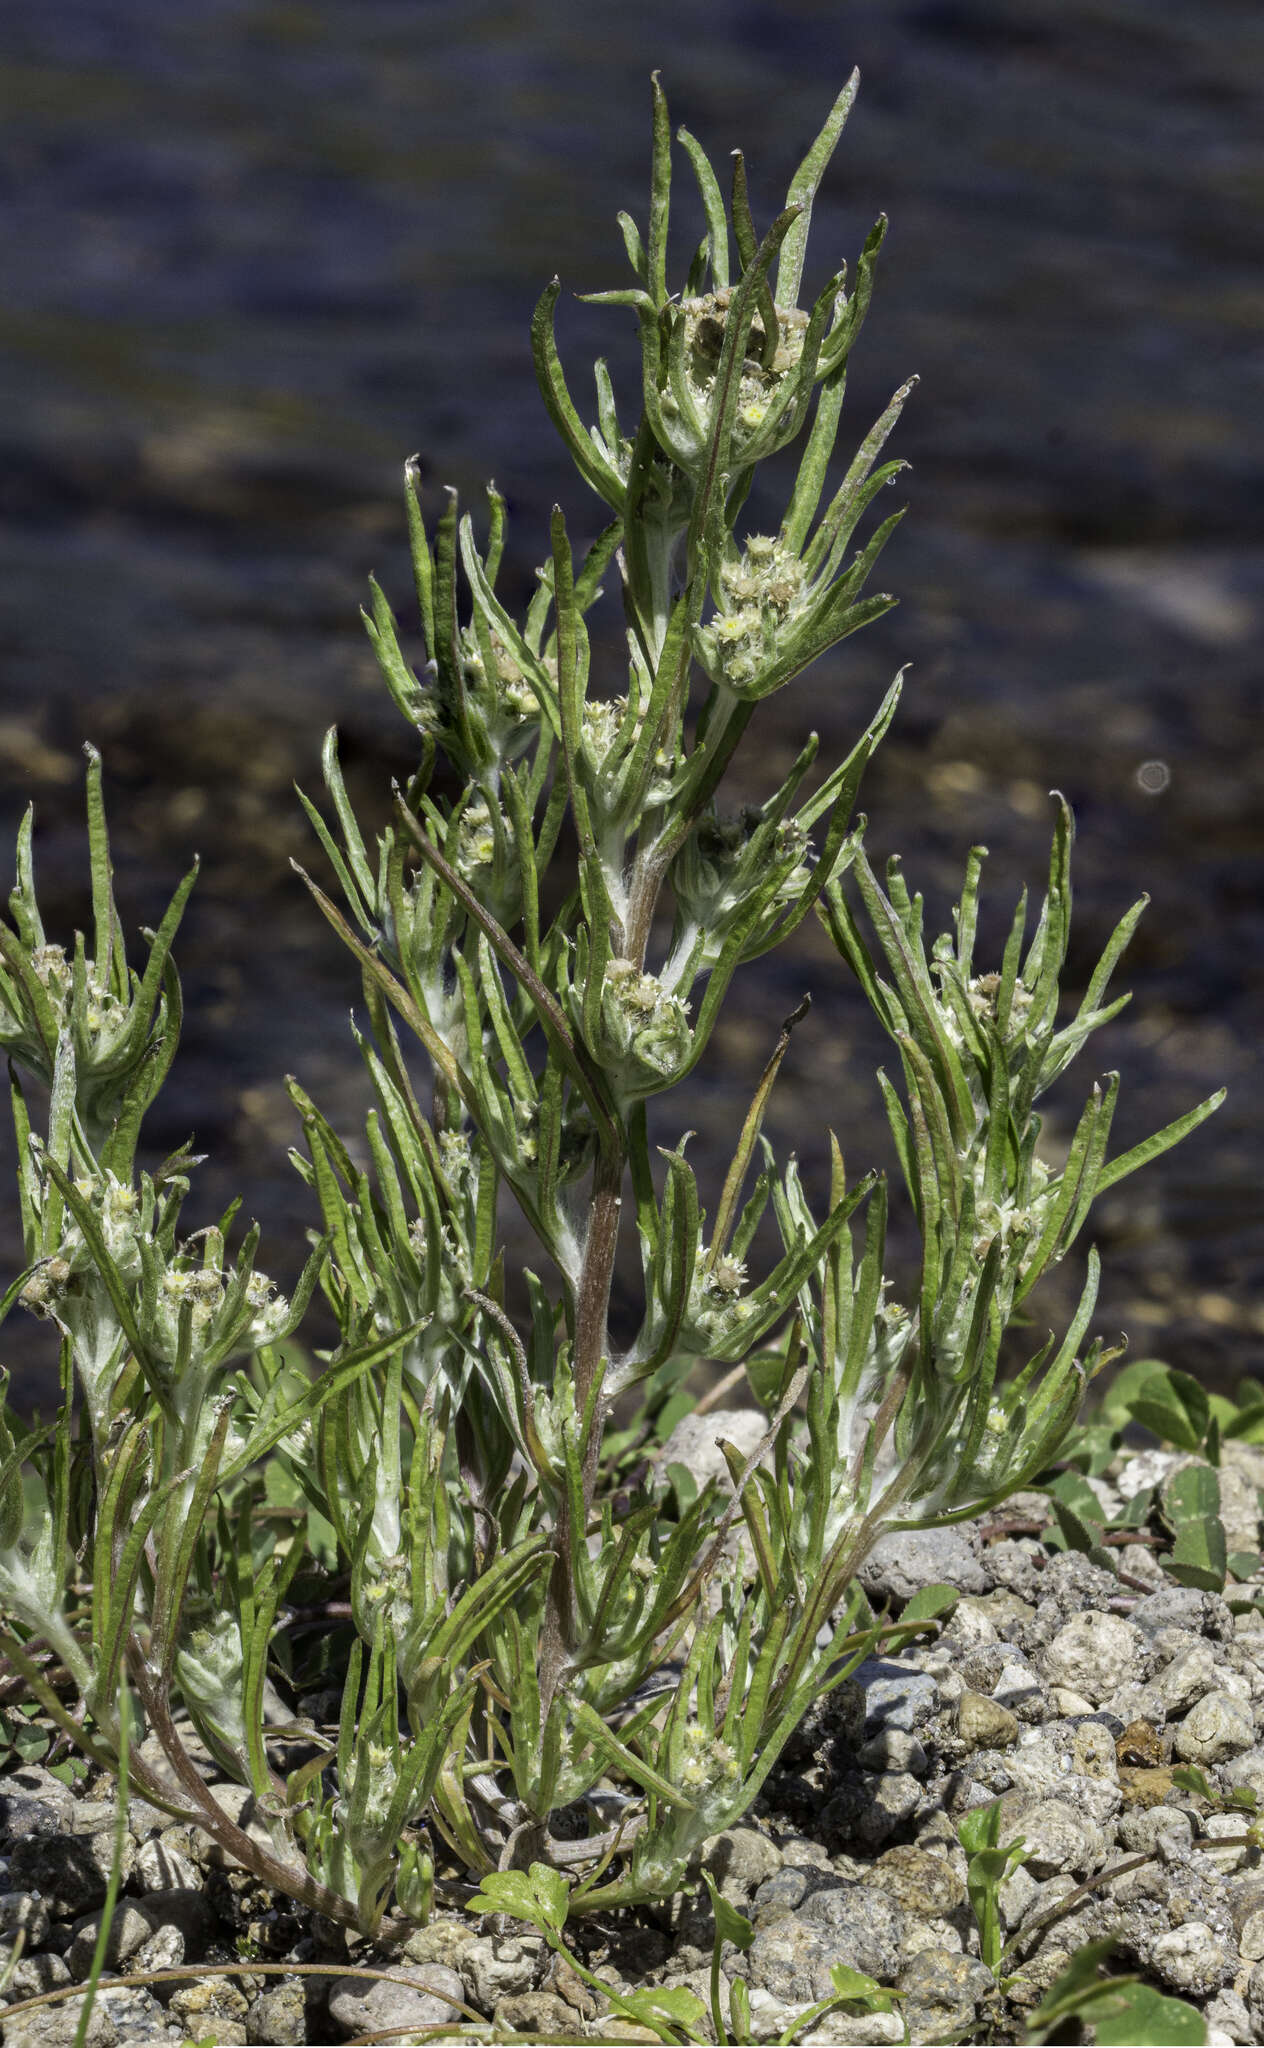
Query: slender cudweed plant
538, 1625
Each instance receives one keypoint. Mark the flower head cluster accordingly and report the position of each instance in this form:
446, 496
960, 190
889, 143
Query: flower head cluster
209, 1670
119, 1213
759, 595
202, 1292
506, 689
645, 1026
982, 991
75, 994
476, 841
707, 1764
718, 1304
768, 361
718, 869
385, 1581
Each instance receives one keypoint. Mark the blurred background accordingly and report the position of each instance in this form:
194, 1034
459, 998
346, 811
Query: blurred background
259, 251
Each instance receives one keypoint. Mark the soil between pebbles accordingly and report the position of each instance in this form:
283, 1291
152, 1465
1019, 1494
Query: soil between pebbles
1069, 1693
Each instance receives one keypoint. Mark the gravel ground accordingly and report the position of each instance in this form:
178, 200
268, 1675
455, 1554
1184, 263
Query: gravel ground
1068, 1692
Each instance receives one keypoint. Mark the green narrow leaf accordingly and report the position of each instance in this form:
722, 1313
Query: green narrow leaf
660, 197
596, 472
803, 189
713, 207
736, 1175
843, 338
1162, 1141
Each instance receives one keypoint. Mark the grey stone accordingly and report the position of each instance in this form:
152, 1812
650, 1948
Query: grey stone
982, 1778
791, 1960
866, 1926
1245, 1897
1019, 1690
1015, 1898
984, 1724
145, 1819
1138, 1561
211, 2005
792, 1957
1093, 1752
1041, 1766
925, 1887
1017, 1569
1150, 1468
441, 1941
1144, 1827
139, 2018
540, 2015
942, 1993
1073, 1583
32, 1974
1218, 1727
692, 1442
1228, 2015
71, 1872
161, 1866
1235, 1852
837, 1720
1095, 1653
564, 1981
1239, 1510
1099, 1799
93, 1816
850, 2030
32, 1786
54, 2026
781, 1894
1246, 1769
1255, 2000
892, 1749
24, 1820
241, 1807
861, 2030
1045, 1768
130, 1926
895, 1695
278, 2018
1108, 1499
1009, 1615
804, 1852
866, 1809
27, 1911
499, 1967
165, 1950
982, 1666
969, 1627
1058, 1838
430, 1997
1136, 1703
1190, 1960
1206, 1614
740, 1860
1187, 1676
152, 1753
900, 1564
190, 1911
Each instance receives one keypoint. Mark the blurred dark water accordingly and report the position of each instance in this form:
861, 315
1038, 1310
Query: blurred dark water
255, 254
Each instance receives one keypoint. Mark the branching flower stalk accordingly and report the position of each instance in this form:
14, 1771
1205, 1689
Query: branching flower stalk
540, 1622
